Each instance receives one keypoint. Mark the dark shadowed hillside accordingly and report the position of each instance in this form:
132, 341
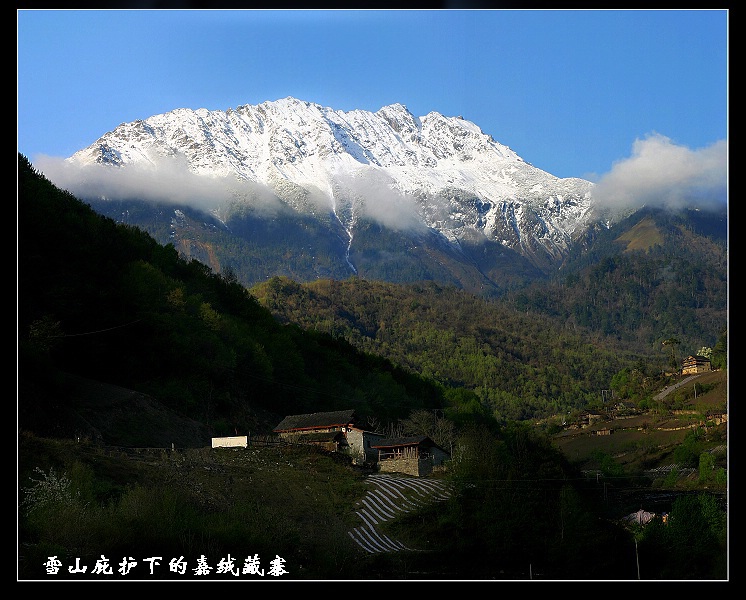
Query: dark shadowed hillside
131, 357
105, 302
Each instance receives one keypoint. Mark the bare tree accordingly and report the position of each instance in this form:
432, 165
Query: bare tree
437, 428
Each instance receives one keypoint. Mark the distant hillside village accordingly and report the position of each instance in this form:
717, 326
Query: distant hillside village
337, 431
419, 456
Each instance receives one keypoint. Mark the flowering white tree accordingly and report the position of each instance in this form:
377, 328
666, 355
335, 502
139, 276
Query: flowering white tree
705, 351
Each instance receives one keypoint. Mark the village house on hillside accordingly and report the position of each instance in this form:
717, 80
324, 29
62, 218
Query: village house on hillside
586, 419
695, 364
337, 431
325, 429
412, 455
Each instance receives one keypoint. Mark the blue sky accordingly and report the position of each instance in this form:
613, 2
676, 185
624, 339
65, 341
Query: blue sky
573, 92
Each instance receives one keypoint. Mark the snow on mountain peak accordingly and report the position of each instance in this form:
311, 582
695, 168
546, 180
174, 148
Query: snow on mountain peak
445, 170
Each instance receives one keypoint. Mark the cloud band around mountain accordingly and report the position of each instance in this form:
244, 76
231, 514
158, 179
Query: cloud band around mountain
663, 174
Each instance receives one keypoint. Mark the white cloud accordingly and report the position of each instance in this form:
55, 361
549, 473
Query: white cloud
371, 194
366, 192
663, 174
169, 181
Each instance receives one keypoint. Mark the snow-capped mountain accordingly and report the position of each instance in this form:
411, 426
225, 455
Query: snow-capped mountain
436, 179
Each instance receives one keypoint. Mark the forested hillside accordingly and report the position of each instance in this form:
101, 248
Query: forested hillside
513, 361
106, 302
513, 364
636, 297
659, 274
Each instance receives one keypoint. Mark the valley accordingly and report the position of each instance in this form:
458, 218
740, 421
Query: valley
124, 341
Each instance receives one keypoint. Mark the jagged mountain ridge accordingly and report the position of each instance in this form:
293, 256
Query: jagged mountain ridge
437, 188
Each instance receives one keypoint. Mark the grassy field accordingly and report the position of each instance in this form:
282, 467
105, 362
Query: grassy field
642, 441
293, 502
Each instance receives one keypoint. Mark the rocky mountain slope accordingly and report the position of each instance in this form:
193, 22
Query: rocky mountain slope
384, 195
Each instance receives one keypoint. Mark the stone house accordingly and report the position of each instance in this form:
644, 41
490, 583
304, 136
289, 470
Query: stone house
361, 444
337, 432
417, 455
325, 429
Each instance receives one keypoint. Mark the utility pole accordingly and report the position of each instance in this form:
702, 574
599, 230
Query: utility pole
637, 558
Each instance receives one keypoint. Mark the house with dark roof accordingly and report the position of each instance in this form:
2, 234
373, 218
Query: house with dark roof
337, 431
416, 455
695, 364
315, 422
324, 429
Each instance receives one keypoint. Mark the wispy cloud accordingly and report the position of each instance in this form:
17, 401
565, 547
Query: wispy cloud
365, 193
170, 182
372, 195
663, 174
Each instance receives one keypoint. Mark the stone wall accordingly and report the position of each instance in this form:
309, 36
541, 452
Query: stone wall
416, 467
360, 442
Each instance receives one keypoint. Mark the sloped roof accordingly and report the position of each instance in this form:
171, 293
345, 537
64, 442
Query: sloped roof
697, 358
318, 420
418, 440
404, 441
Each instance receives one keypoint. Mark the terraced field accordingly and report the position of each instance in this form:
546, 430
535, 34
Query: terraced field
388, 496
